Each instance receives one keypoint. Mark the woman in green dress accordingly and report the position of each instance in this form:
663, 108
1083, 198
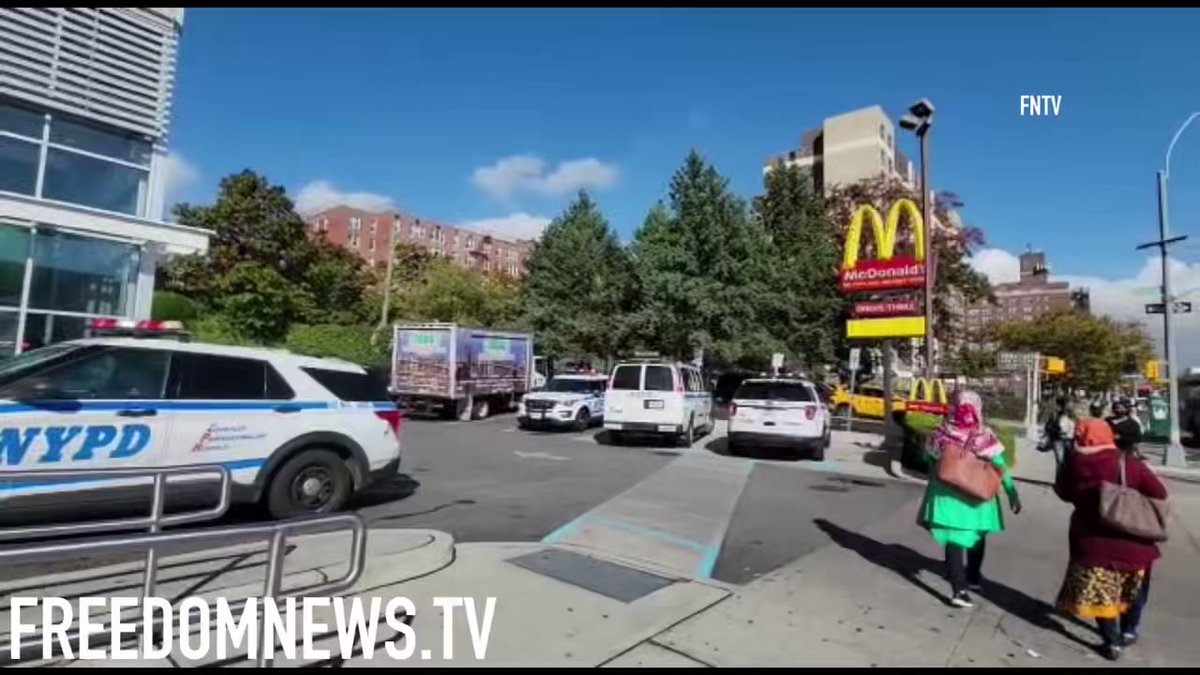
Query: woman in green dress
958, 522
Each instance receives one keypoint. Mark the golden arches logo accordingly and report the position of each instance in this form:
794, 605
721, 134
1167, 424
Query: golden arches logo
928, 396
885, 232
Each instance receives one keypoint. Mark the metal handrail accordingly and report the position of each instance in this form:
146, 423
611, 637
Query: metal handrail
276, 536
154, 521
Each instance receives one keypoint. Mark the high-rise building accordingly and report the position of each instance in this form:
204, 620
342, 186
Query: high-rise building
848, 148
1028, 298
85, 103
371, 234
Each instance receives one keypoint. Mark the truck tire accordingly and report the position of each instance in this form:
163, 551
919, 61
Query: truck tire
312, 481
465, 410
481, 409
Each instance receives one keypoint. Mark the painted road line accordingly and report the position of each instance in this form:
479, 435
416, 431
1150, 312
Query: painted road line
676, 519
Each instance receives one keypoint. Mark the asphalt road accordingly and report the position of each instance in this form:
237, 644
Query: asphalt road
489, 481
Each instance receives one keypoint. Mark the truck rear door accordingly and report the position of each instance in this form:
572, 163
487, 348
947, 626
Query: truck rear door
421, 363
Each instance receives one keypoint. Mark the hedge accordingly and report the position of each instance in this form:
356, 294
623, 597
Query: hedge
348, 342
917, 427
168, 306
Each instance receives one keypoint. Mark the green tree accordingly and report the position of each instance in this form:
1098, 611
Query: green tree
1095, 348
579, 285
261, 270
805, 304
259, 301
700, 263
450, 292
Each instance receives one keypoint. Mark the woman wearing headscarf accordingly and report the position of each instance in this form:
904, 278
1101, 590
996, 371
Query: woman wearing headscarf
1108, 577
957, 521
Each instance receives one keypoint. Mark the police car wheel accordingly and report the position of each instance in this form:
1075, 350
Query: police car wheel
313, 481
583, 420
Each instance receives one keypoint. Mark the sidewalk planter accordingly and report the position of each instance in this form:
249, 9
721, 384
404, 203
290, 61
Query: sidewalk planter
917, 429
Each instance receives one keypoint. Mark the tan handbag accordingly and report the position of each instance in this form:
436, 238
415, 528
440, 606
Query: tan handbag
964, 471
1132, 512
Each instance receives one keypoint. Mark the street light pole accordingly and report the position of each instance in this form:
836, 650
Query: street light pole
930, 260
1174, 454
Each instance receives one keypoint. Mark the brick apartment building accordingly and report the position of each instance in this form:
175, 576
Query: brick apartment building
368, 234
1030, 297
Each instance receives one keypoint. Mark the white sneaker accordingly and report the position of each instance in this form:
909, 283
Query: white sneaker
962, 599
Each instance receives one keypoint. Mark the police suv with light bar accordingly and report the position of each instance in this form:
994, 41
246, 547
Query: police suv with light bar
298, 434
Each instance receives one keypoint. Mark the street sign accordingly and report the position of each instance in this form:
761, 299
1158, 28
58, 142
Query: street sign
776, 361
855, 355
1181, 307
1015, 360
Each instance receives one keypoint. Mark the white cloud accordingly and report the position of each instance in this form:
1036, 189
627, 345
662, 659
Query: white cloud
528, 173
321, 194
998, 265
512, 226
1127, 298
178, 176
1124, 299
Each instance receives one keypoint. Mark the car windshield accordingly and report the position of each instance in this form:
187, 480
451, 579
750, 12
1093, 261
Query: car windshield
773, 391
569, 386
15, 367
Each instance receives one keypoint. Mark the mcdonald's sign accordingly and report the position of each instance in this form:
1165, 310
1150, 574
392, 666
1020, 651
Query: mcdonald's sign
928, 396
886, 272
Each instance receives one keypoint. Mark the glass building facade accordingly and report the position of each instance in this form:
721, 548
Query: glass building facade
82, 150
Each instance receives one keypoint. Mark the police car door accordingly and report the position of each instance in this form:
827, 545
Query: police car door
228, 410
97, 410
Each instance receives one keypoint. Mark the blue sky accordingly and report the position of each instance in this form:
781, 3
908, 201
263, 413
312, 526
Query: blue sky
409, 104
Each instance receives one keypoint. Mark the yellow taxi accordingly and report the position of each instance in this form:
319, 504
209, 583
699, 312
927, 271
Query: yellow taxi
865, 402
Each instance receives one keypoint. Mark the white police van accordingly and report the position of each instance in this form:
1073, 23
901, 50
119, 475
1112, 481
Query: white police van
670, 400
576, 401
298, 434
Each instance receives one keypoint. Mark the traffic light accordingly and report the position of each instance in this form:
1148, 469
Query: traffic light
1152, 370
1055, 365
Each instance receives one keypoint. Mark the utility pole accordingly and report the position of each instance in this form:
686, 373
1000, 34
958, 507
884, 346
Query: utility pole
387, 281
930, 260
1174, 454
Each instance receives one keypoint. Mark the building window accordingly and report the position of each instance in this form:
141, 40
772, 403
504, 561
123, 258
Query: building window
374, 226
81, 274
371, 245
84, 164
417, 232
355, 229
470, 241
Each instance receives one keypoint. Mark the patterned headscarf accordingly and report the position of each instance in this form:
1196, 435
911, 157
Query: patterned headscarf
964, 425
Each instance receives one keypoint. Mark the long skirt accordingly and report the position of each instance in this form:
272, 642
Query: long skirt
1097, 592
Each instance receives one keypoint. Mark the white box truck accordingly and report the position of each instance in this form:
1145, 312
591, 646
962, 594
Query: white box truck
464, 373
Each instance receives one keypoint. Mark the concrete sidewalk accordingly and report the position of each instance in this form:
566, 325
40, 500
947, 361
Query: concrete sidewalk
878, 597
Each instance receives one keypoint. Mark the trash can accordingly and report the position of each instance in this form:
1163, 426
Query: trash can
1159, 422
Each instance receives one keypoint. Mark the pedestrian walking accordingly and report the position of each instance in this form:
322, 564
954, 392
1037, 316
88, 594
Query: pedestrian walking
1058, 434
1127, 429
1108, 576
956, 520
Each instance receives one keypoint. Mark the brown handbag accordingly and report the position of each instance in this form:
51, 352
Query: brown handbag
963, 470
1132, 512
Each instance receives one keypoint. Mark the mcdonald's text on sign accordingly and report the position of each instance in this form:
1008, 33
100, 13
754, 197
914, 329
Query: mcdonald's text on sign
887, 272
885, 308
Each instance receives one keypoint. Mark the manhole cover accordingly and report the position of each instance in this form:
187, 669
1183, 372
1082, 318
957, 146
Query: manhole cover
599, 576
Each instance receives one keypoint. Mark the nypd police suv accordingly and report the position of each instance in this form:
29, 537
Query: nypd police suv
575, 401
298, 434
